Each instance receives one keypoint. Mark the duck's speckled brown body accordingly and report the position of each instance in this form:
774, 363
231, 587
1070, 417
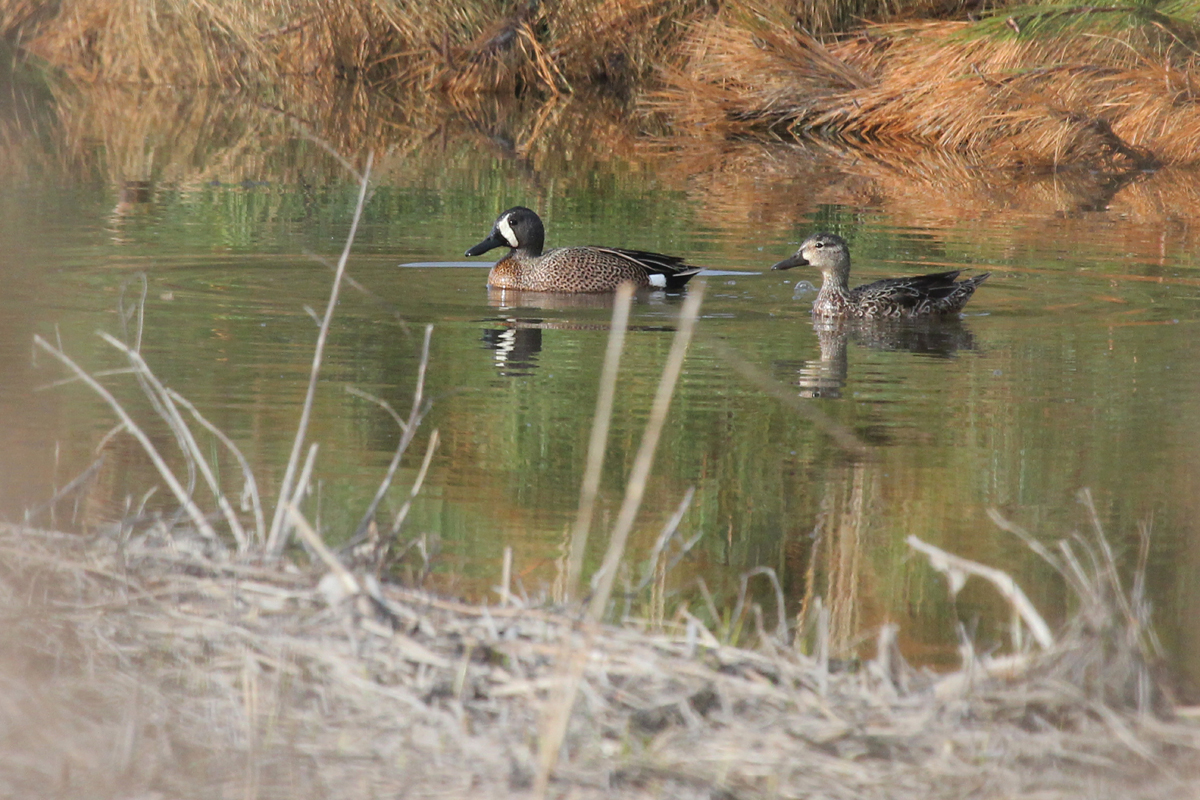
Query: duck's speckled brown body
935, 294
571, 269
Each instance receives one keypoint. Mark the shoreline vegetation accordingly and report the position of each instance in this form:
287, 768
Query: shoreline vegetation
154, 663
1036, 86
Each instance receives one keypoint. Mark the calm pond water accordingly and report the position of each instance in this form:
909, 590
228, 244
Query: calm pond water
1075, 366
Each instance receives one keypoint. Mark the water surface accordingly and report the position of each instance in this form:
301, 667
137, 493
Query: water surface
1072, 369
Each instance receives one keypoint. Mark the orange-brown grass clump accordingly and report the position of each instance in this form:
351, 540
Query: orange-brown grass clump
1040, 101
477, 46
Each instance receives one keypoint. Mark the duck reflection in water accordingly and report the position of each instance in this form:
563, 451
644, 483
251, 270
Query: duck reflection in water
826, 376
516, 338
515, 347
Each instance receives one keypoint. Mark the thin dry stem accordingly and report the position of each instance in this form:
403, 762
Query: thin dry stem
589, 488
957, 570
408, 431
185, 500
635, 488
170, 413
275, 537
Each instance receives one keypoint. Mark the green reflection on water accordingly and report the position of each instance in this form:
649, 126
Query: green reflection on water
1067, 373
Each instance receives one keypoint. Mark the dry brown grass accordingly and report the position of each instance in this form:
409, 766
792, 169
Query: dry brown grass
1127, 97
481, 46
158, 663
1040, 102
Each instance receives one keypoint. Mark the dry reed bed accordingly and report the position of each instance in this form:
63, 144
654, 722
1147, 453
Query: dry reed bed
1040, 102
156, 663
1127, 96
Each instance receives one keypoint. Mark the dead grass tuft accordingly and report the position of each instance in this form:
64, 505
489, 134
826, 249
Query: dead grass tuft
156, 663
1039, 102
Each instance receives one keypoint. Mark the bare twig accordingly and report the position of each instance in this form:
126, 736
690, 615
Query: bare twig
664, 537
78, 481
957, 570
189, 505
781, 623
402, 514
187, 442
409, 429
250, 490
274, 538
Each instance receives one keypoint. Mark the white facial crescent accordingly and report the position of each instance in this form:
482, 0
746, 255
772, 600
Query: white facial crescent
506, 231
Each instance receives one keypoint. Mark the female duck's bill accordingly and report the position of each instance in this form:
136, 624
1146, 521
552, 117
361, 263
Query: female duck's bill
571, 269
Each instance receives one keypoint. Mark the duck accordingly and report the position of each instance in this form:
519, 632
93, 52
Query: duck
935, 294
581, 270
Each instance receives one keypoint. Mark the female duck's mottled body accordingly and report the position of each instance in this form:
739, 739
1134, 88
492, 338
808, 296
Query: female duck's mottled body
571, 269
891, 298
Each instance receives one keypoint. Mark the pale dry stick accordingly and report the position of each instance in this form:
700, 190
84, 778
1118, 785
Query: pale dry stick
305, 476
635, 488
402, 514
957, 569
104, 373
558, 712
781, 622
322, 551
301, 489
274, 538
151, 385
409, 430
153, 390
78, 481
590, 486
379, 401
506, 577
188, 504
668, 532
250, 486
1110, 559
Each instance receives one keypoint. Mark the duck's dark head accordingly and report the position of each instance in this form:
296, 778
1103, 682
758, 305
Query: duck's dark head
827, 252
518, 228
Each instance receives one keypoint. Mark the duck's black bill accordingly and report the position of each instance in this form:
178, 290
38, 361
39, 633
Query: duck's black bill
792, 261
490, 243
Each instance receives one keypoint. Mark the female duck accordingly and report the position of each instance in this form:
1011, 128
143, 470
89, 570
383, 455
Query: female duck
890, 298
571, 269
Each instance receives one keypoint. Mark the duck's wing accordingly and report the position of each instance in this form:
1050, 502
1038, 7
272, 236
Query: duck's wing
674, 270
915, 290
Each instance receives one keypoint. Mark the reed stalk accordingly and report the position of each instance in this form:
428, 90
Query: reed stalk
589, 488
181, 495
275, 538
635, 488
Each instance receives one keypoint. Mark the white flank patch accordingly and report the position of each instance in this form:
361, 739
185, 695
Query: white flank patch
658, 280
506, 231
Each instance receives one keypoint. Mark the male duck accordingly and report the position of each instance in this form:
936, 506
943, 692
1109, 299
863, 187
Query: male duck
571, 269
918, 296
